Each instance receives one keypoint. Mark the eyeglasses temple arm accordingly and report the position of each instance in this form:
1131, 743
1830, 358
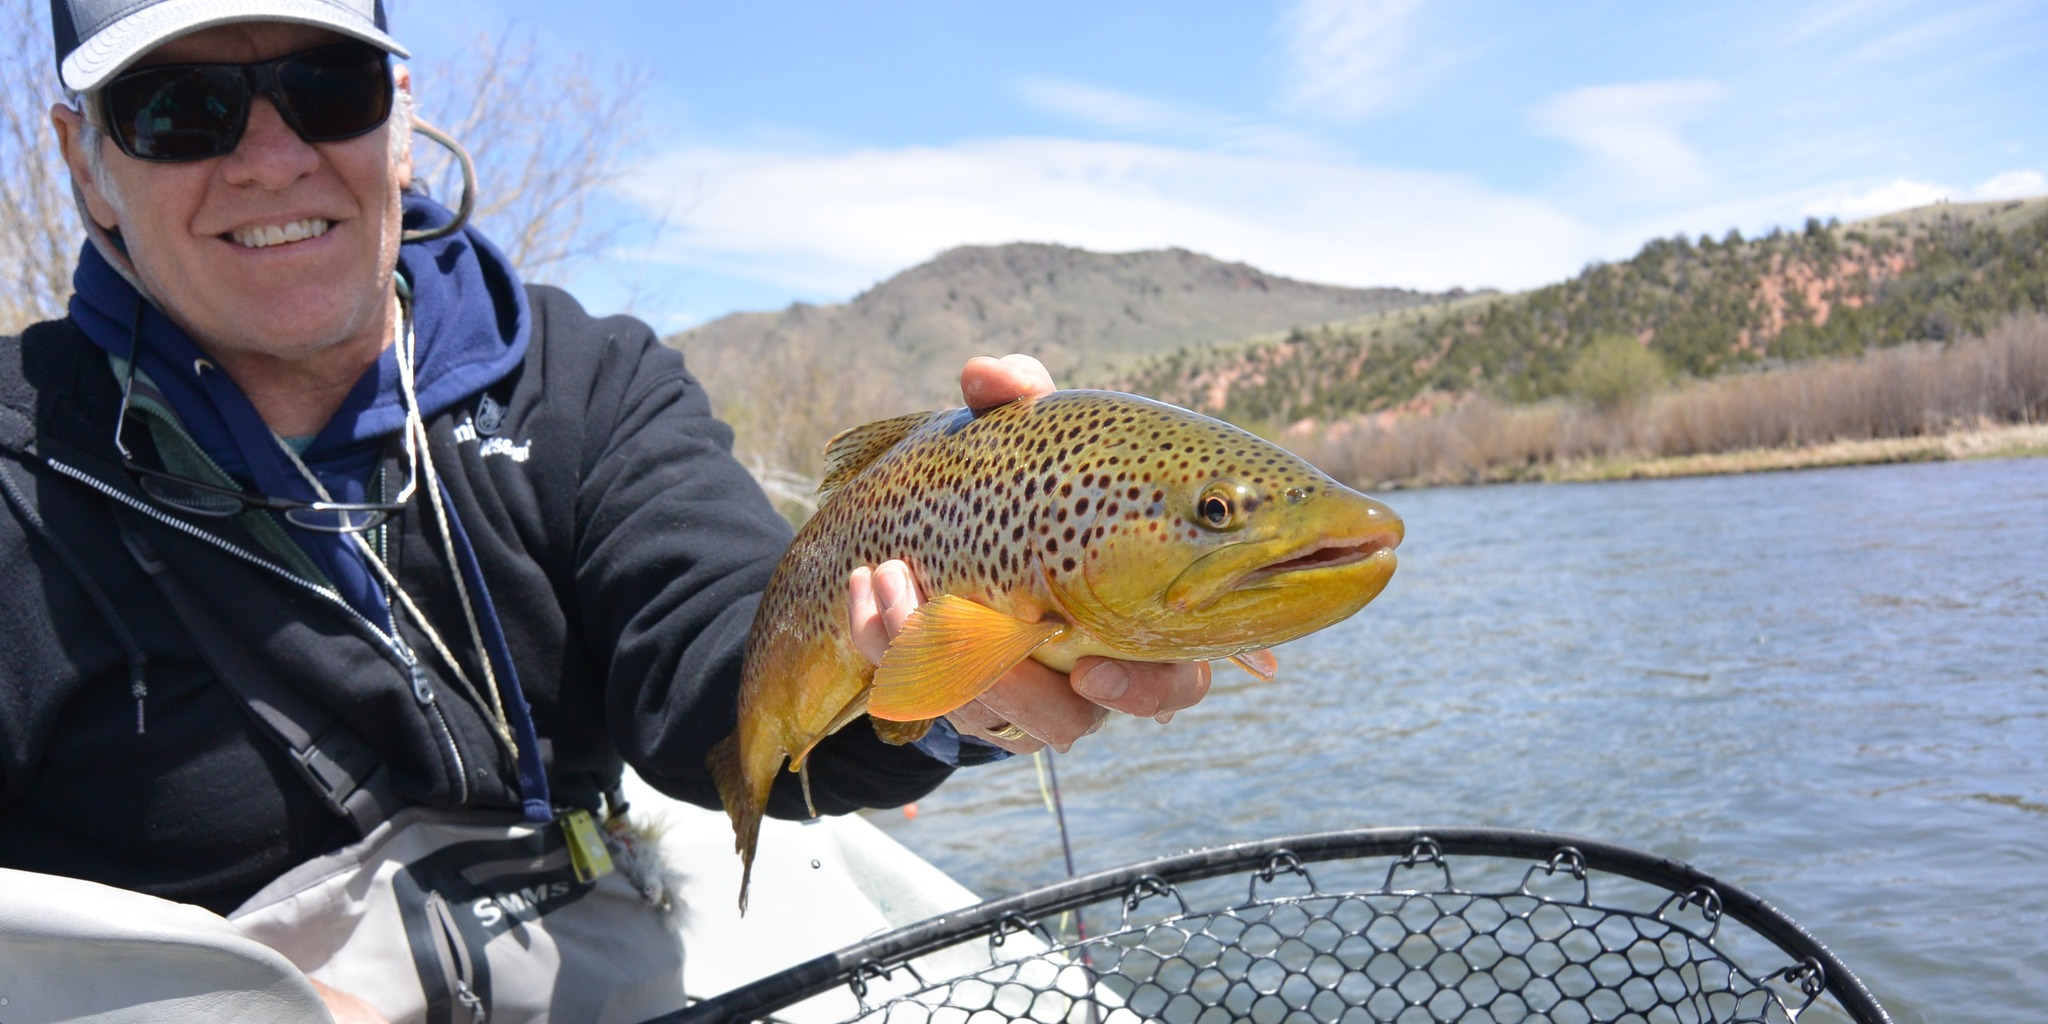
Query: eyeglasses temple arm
468, 204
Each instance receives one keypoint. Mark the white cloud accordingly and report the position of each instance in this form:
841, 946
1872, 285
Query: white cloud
1844, 14
1897, 194
1350, 57
2011, 185
1950, 22
1632, 133
1905, 194
833, 223
1107, 108
1133, 116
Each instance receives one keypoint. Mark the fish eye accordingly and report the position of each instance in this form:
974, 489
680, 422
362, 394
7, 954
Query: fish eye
1222, 505
1216, 509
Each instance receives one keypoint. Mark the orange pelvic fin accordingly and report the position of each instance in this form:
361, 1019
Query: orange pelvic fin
1260, 663
899, 733
947, 654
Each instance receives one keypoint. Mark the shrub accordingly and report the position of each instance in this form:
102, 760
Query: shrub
1615, 370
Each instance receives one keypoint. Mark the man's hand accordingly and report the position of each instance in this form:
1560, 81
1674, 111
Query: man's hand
1049, 708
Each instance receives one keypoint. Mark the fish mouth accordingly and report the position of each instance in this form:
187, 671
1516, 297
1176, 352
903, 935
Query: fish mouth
1327, 554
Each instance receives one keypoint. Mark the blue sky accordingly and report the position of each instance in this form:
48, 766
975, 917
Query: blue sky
806, 151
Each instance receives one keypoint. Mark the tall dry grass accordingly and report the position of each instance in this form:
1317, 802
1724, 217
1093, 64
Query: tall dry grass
784, 400
1908, 391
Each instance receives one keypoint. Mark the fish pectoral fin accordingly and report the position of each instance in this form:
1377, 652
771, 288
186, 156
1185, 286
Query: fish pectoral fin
947, 654
899, 733
1260, 663
852, 449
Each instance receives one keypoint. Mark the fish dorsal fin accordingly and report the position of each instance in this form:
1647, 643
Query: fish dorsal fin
949, 651
851, 450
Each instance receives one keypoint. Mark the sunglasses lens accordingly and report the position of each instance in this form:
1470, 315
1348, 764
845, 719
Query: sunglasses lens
336, 92
178, 113
335, 520
196, 111
186, 497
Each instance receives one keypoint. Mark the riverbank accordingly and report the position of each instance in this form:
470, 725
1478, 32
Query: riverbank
1979, 397
2017, 441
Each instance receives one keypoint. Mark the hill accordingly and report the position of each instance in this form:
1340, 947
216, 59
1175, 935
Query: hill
1084, 314
1701, 306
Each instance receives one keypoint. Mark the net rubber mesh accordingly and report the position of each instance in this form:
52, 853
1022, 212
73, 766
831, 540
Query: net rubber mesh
1398, 940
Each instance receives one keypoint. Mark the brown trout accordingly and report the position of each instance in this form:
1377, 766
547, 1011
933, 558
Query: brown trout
1072, 524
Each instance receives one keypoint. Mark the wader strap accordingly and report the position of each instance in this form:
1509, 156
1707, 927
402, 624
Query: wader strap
329, 755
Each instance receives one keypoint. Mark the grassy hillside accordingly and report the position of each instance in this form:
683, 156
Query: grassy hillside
1084, 314
1700, 306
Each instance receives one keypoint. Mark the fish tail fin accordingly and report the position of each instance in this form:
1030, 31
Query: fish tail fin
743, 788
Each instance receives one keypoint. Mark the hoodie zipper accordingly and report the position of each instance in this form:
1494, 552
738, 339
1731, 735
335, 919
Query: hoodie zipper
422, 687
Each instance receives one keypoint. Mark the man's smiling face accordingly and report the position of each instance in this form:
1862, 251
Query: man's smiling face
282, 249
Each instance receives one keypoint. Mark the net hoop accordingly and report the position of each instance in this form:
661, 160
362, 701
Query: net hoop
1813, 968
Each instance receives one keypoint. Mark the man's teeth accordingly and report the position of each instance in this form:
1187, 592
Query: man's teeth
278, 234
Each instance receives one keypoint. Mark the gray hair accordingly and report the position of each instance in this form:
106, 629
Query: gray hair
90, 138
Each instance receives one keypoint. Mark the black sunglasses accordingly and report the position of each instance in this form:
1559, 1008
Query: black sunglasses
200, 498
173, 113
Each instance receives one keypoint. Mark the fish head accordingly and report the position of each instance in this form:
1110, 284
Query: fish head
1223, 542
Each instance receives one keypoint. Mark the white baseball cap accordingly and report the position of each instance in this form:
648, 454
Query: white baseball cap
96, 39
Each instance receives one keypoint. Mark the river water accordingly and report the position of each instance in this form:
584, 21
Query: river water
1829, 687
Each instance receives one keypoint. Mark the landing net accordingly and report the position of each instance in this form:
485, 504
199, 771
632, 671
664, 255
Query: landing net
1336, 928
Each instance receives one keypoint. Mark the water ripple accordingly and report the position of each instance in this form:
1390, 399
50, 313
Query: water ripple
1828, 687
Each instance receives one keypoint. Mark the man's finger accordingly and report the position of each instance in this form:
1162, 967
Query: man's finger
864, 615
1042, 702
1143, 689
986, 383
879, 600
980, 721
896, 595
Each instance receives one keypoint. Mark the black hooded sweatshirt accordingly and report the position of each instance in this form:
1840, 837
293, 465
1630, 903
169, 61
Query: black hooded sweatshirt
624, 548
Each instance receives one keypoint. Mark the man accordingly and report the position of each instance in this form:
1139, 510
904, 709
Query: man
501, 545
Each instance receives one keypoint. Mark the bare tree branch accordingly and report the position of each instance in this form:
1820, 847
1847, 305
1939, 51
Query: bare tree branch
39, 231
547, 135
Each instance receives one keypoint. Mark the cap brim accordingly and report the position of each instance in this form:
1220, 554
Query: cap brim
113, 48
